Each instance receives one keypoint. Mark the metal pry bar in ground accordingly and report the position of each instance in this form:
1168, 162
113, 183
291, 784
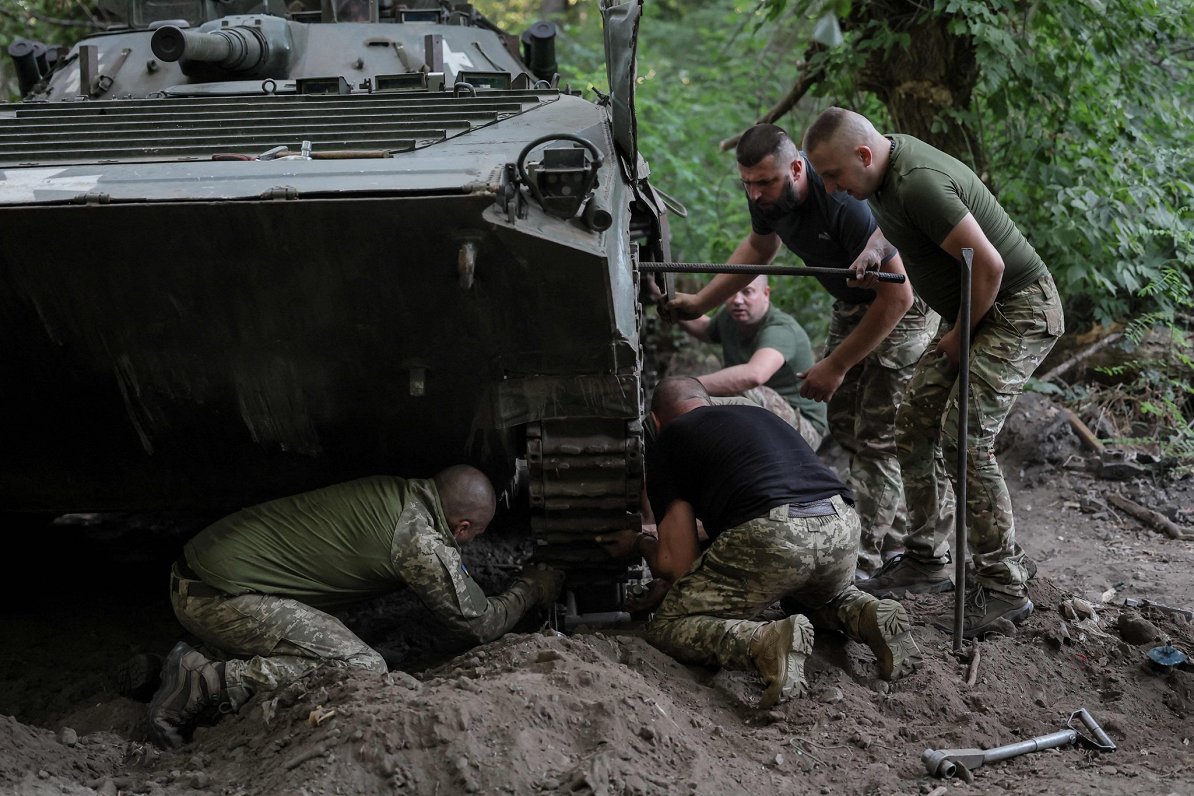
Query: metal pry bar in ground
963, 442
769, 270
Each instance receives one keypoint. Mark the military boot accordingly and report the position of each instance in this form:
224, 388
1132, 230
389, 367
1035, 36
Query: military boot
903, 575
192, 687
983, 610
1030, 568
887, 630
779, 650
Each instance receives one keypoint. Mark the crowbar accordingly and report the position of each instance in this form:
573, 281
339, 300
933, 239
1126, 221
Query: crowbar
944, 763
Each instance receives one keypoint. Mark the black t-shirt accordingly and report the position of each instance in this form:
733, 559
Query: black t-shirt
734, 463
827, 230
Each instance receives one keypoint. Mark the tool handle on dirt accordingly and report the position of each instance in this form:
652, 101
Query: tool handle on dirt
770, 270
1101, 740
1059, 738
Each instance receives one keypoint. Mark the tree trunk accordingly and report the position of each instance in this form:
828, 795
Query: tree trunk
927, 86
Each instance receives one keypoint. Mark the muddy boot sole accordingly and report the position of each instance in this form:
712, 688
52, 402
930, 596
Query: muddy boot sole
786, 650
888, 632
139, 677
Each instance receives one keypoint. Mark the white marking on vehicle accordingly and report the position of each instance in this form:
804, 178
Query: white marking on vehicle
456, 61
23, 185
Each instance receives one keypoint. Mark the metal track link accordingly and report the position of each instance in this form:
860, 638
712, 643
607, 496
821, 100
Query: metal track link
585, 479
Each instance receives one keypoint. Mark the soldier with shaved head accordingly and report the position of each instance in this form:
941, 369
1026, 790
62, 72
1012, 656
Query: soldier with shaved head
931, 206
255, 587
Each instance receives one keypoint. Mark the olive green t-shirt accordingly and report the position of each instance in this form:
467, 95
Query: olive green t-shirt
780, 331
923, 197
327, 547
352, 541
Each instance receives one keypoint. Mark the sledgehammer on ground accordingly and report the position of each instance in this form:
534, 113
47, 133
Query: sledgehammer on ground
944, 763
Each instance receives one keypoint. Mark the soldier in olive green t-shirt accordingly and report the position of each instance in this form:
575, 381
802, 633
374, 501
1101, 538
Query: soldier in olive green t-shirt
256, 585
763, 348
932, 207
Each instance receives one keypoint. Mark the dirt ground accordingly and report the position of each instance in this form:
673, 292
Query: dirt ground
602, 712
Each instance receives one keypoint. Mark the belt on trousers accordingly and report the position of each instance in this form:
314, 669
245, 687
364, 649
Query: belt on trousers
184, 583
816, 508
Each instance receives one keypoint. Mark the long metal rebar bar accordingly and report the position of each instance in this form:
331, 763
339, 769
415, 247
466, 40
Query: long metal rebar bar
770, 270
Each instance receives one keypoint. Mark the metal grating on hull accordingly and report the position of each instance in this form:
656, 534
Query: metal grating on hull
199, 127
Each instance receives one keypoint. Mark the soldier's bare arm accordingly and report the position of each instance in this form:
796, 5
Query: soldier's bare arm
671, 553
755, 249
677, 546
892, 301
698, 327
986, 276
740, 378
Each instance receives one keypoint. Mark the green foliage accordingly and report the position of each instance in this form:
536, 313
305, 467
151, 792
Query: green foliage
1088, 116
1091, 145
704, 73
1150, 403
1086, 111
1150, 399
52, 22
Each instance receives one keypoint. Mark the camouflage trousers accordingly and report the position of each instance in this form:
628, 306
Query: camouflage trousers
862, 420
777, 405
708, 615
268, 641
1010, 343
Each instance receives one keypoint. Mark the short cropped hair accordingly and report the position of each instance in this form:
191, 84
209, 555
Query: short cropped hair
835, 122
675, 390
465, 494
762, 140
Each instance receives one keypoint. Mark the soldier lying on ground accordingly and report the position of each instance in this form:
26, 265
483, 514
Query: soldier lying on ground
254, 586
783, 527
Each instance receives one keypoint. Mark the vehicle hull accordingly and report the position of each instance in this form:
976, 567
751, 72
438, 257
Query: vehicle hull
201, 354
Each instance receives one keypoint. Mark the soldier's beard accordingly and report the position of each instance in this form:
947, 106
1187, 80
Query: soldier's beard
787, 202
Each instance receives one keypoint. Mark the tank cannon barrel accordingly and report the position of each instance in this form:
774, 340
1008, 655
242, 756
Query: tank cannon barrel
236, 49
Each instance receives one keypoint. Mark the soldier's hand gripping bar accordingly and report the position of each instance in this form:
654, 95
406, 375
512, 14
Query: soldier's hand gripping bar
770, 270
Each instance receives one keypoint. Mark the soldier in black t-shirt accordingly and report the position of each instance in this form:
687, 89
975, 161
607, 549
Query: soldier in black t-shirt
877, 330
782, 525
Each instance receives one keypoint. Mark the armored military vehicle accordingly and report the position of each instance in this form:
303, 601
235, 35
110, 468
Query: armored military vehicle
252, 248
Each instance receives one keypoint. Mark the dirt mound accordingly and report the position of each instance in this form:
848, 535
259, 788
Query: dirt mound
608, 714
605, 713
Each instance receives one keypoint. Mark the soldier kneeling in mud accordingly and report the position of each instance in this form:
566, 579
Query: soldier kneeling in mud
782, 526
255, 585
